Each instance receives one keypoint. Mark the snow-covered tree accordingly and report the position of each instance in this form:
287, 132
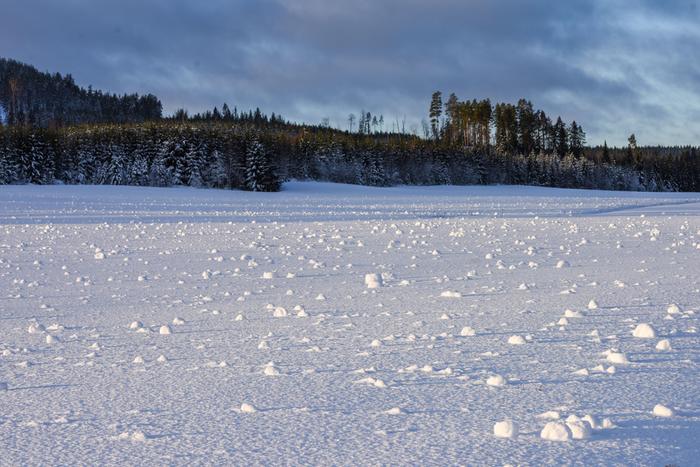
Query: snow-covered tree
259, 175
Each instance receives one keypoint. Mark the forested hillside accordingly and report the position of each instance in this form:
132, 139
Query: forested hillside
55, 131
30, 97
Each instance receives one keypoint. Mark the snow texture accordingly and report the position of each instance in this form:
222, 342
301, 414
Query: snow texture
341, 325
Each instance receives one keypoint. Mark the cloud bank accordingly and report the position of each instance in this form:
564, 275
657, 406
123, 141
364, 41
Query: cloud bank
615, 67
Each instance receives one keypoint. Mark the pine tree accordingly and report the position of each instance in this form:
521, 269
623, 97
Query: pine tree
118, 170
195, 161
577, 139
605, 157
435, 113
38, 161
259, 176
526, 127
373, 173
8, 167
561, 144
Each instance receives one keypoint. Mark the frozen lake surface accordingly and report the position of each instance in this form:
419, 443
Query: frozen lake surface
342, 325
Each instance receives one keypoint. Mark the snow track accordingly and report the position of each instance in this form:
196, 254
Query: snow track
348, 326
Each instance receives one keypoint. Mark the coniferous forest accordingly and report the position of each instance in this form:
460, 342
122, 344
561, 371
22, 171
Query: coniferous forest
53, 131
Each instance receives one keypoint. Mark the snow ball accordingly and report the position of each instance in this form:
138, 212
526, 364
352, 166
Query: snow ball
562, 264
516, 340
51, 339
138, 360
450, 294
270, 370
178, 321
549, 415
248, 408
579, 429
279, 312
523, 286
394, 411
268, 275
592, 305
505, 429
563, 322
165, 330
662, 411
592, 420
206, 275
239, 317
138, 436
673, 309
663, 345
378, 383
141, 278
263, 345
607, 424
556, 431
617, 357
581, 372
572, 314
376, 343
373, 281
644, 331
162, 359
135, 325
99, 254
496, 381
467, 332
301, 312
35, 328
320, 297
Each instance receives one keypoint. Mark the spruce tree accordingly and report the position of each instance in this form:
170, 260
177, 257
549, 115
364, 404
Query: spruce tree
259, 175
605, 157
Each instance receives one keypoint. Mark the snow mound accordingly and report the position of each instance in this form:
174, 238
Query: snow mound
516, 340
247, 408
663, 411
663, 345
450, 294
467, 331
644, 331
617, 357
572, 314
579, 429
505, 429
373, 281
270, 369
496, 381
556, 431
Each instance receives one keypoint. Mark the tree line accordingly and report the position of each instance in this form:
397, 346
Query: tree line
59, 132
259, 158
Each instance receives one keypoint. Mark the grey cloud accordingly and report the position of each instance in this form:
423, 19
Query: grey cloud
614, 68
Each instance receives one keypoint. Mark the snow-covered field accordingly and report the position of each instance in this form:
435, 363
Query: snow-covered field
330, 324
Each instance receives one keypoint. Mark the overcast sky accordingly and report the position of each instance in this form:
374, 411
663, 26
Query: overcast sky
616, 67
